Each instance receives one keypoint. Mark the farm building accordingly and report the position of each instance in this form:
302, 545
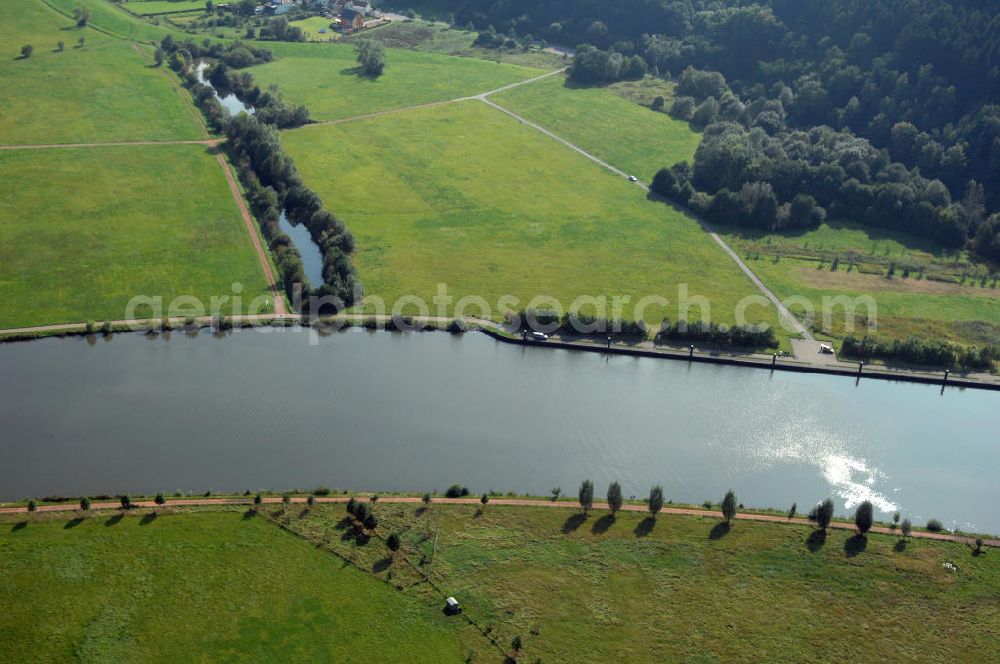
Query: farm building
351, 20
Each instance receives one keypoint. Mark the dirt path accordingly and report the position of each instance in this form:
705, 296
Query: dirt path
481, 96
509, 502
251, 226
210, 142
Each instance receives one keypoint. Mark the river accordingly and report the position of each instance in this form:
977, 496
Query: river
414, 412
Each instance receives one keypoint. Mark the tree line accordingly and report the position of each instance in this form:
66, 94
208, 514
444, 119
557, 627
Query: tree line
269, 175
916, 79
914, 350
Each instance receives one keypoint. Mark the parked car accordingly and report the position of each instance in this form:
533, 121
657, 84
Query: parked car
633, 178
451, 606
538, 336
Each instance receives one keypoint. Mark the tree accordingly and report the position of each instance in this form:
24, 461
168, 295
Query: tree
371, 521
792, 510
615, 498
729, 506
586, 495
60, 45
311, 500
85, 503
655, 501
658, 103
556, 492
159, 500
32, 505
158, 56
426, 499
257, 499
80, 41
863, 517
286, 500
126, 502
517, 643
209, 6
26, 51
824, 514
371, 57
895, 521
82, 16
906, 528
483, 499
394, 541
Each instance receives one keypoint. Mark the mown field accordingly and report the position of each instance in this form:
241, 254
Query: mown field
83, 230
205, 586
926, 296
103, 91
325, 78
623, 133
311, 27
467, 196
574, 588
108, 18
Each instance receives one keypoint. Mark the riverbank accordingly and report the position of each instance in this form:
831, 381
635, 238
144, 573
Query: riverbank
808, 358
533, 583
632, 506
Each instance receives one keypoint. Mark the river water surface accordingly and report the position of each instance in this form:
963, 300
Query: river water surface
415, 412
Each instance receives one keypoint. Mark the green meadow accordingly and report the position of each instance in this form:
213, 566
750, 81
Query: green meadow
101, 92
324, 77
467, 196
203, 586
926, 296
624, 134
211, 584
154, 7
83, 230
108, 18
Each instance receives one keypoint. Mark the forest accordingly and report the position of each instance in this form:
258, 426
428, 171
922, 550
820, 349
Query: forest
889, 105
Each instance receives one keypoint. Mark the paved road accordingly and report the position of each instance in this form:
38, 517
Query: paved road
519, 502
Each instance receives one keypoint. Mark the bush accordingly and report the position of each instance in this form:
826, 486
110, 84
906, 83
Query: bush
311, 500
32, 505
321, 491
456, 491
934, 526
126, 502
159, 500
85, 503
915, 350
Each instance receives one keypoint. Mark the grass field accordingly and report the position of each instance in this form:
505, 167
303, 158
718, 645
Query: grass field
84, 230
464, 195
206, 586
686, 589
932, 301
311, 27
108, 18
324, 78
154, 7
104, 91
623, 133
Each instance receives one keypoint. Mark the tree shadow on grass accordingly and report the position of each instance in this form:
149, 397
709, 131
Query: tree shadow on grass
113, 521
719, 530
855, 545
148, 519
358, 73
250, 513
644, 527
900, 545
573, 522
420, 510
381, 565
20, 525
816, 540
603, 524
74, 522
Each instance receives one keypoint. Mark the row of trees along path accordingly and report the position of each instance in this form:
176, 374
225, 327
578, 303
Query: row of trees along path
729, 511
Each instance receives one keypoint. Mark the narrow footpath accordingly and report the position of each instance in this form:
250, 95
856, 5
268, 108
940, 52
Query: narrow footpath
509, 502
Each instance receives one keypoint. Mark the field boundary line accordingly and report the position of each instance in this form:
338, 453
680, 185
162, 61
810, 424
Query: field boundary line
508, 502
251, 226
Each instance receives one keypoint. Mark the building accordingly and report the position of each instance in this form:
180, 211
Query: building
363, 7
351, 21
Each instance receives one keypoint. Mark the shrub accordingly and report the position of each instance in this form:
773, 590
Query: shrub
791, 511
934, 526
26, 51
426, 499
906, 528
456, 491
85, 503
126, 502
321, 491
393, 542
32, 505
311, 500
159, 500
257, 499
